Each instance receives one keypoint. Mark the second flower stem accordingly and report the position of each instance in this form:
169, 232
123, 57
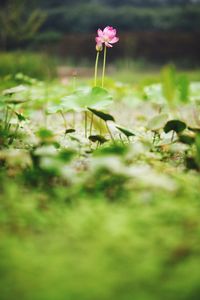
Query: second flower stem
96, 69
104, 66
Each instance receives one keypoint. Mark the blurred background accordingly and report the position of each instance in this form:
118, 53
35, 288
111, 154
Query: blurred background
154, 31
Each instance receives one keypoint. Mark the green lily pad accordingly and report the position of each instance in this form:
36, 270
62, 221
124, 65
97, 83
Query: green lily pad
115, 149
15, 101
70, 130
197, 130
125, 131
3, 100
66, 155
97, 138
15, 90
20, 117
102, 115
97, 98
175, 125
186, 139
54, 109
45, 134
157, 122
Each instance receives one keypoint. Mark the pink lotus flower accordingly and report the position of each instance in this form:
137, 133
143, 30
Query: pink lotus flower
107, 37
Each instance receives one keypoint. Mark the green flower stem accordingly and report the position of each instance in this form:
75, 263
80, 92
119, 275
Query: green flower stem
16, 130
110, 133
98, 144
6, 117
73, 119
173, 135
104, 66
9, 117
100, 122
15, 134
64, 120
96, 69
120, 136
91, 123
154, 137
86, 124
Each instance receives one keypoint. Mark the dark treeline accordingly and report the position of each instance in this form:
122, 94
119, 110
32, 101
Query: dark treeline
66, 16
47, 23
128, 15
143, 3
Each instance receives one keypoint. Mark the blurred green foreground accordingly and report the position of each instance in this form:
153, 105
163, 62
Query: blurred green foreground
103, 236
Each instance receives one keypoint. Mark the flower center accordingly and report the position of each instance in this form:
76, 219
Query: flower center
106, 39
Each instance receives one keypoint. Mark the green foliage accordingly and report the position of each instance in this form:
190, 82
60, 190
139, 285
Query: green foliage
197, 144
175, 87
93, 248
35, 65
169, 83
9, 103
93, 209
183, 86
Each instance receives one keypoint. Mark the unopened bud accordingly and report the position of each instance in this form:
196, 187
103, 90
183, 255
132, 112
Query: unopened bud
99, 47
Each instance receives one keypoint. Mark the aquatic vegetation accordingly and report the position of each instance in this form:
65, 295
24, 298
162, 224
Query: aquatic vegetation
99, 187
